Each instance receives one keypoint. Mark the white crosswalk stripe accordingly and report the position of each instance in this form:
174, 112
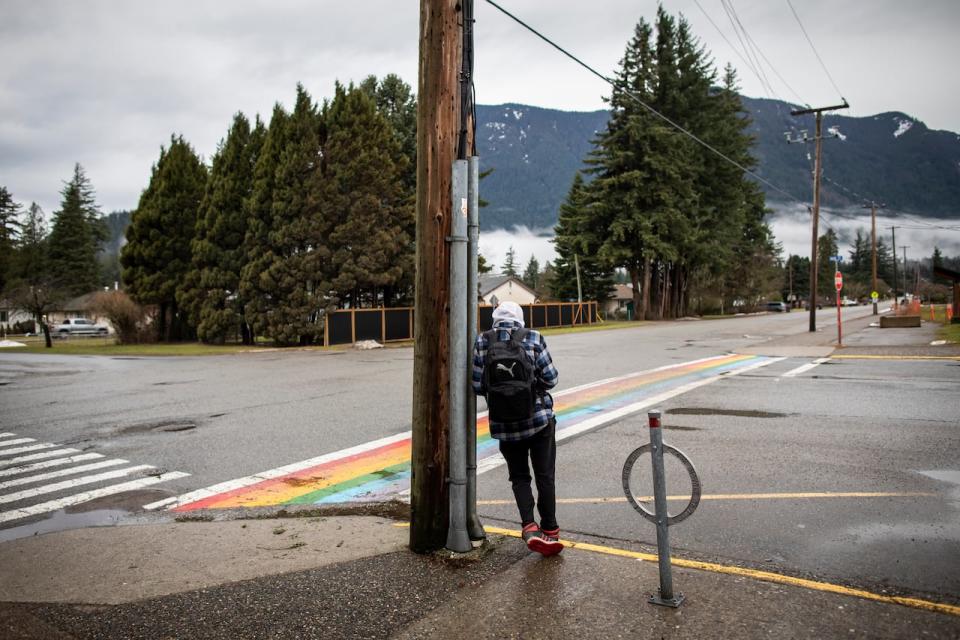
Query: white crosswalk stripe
62, 472
46, 464
36, 456
10, 443
86, 496
32, 447
63, 477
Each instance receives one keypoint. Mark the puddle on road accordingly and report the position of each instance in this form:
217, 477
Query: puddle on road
62, 521
738, 413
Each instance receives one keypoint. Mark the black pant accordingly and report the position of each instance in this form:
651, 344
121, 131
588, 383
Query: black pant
541, 448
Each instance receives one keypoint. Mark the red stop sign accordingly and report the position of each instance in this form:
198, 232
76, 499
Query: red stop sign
838, 280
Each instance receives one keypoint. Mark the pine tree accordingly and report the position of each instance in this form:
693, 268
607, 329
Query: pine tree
366, 202
76, 237
509, 267
9, 230
531, 274
211, 289
577, 242
395, 101
826, 267
157, 255
283, 279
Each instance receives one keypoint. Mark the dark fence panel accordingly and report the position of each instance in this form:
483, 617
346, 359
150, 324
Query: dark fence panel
339, 329
539, 316
347, 325
398, 324
369, 325
553, 315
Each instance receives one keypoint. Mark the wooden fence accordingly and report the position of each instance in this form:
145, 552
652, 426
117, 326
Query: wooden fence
346, 326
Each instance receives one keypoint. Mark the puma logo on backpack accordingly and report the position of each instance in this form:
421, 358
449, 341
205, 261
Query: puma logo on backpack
509, 375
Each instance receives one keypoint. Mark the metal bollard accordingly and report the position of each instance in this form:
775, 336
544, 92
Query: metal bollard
665, 596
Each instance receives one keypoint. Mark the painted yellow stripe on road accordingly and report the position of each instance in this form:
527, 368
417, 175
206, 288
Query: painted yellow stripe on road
869, 357
765, 576
738, 496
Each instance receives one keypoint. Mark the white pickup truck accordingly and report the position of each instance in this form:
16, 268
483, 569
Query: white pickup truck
79, 327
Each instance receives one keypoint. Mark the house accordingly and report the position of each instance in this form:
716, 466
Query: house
503, 288
10, 314
79, 307
617, 303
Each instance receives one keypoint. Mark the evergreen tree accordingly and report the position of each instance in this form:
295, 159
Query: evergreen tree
395, 101
826, 249
9, 229
365, 201
76, 237
860, 267
157, 256
576, 241
531, 274
482, 265
284, 281
936, 262
509, 267
796, 278
259, 254
211, 289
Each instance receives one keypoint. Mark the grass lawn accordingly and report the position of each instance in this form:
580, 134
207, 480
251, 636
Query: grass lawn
84, 346
949, 332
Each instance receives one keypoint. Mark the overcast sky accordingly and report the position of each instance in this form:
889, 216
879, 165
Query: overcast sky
106, 83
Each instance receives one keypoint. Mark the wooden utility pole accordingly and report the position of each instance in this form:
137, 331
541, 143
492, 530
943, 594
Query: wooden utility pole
438, 123
873, 243
893, 233
817, 169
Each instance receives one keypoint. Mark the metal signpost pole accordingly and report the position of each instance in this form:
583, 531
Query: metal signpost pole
838, 281
665, 596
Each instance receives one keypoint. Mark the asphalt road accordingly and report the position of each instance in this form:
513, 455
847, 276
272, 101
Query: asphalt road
846, 426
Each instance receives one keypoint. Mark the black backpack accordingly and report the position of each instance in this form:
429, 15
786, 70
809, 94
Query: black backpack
510, 378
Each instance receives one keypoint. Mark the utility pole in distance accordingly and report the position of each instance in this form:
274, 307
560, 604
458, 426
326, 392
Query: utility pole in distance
438, 124
893, 233
817, 169
904, 247
873, 242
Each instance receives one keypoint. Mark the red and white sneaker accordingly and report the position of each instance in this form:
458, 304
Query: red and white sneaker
547, 543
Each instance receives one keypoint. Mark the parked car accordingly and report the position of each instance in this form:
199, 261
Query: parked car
779, 307
80, 327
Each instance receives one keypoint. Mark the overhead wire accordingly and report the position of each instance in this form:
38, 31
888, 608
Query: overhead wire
643, 104
815, 52
741, 34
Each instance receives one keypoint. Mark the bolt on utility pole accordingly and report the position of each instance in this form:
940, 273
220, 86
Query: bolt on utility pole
818, 168
438, 124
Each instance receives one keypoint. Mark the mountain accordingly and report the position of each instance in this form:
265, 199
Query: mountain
890, 157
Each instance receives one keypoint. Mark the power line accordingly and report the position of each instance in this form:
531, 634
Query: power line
754, 64
730, 44
641, 102
805, 35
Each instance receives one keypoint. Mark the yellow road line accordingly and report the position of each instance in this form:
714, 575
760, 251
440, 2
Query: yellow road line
765, 576
869, 357
738, 496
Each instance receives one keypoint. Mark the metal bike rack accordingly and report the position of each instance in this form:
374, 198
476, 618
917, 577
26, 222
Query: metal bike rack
661, 517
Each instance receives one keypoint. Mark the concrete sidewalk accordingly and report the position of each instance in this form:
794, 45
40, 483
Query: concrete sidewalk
352, 577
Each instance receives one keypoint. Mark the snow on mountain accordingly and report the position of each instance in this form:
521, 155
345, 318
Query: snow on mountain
902, 127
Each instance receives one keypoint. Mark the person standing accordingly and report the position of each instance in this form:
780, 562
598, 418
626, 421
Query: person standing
513, 370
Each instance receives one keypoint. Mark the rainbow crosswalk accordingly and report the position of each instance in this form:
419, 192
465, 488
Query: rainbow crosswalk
380, 470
